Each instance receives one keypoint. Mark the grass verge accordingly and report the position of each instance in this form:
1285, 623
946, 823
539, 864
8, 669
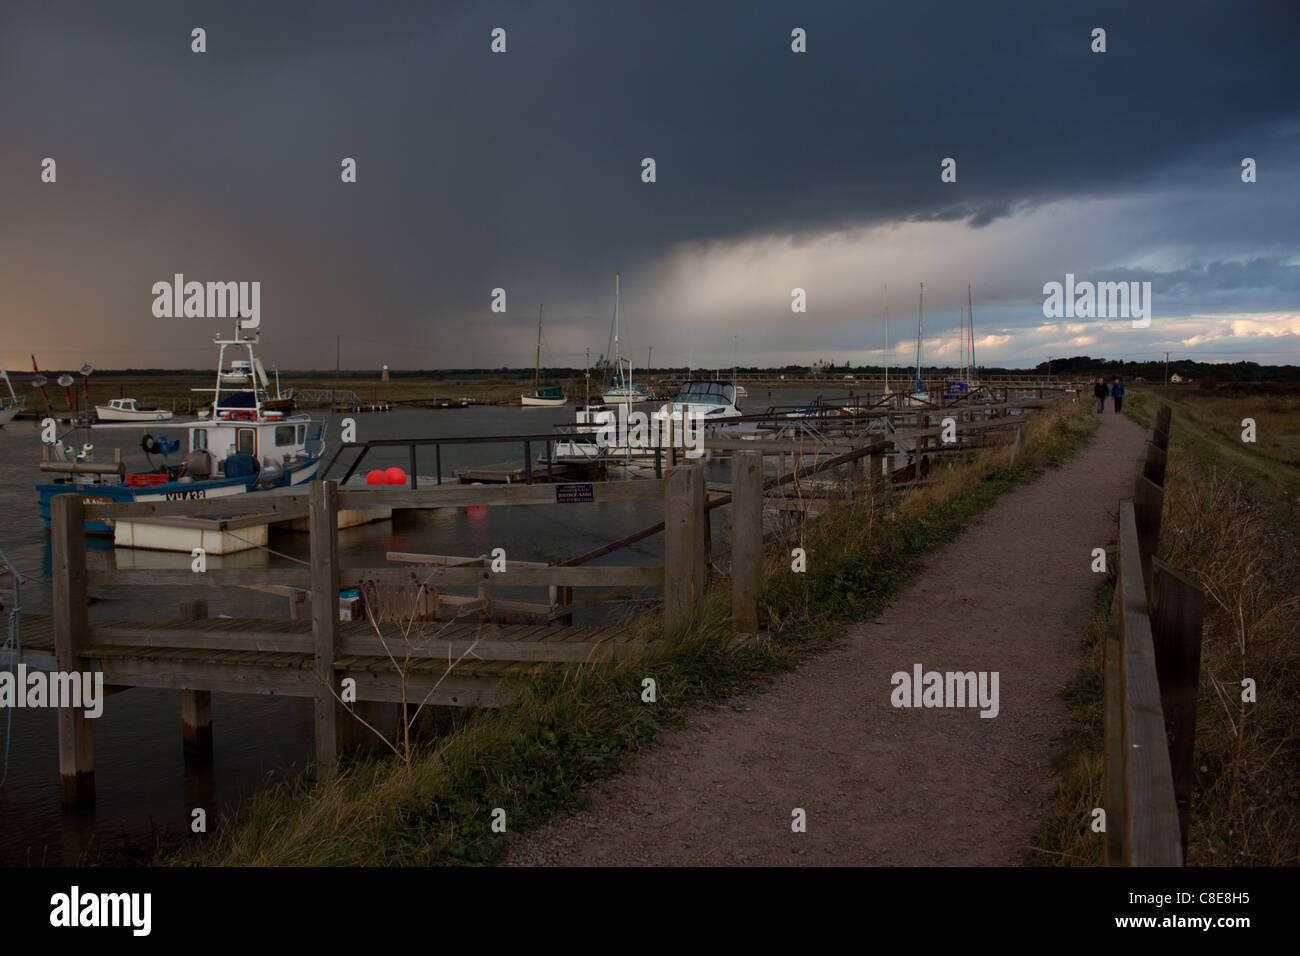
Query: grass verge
576, 726
1229, 520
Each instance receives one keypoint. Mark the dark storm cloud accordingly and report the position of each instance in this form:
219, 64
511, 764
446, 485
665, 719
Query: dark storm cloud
523, 170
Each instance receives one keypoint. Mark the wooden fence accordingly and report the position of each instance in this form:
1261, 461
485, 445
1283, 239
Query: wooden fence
1152, 672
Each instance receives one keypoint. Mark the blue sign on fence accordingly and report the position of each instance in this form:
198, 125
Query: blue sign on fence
570, 494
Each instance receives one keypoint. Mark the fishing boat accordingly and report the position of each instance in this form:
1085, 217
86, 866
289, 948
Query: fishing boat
622, 389
11, 406
542, 397
124, 410
240, 447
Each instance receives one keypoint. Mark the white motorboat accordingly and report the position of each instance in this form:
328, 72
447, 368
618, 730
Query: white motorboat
124, 410
712, 402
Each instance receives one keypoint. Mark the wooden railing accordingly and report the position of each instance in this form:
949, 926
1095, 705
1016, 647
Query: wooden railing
1152, 669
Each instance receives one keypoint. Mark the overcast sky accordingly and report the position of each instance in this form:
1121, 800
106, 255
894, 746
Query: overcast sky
523, 170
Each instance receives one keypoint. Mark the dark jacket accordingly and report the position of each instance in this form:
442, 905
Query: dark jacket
1117, 390
1099, 390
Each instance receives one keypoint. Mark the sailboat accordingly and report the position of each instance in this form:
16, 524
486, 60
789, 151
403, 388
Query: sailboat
552, 397
623, 391
11, 406
918, 395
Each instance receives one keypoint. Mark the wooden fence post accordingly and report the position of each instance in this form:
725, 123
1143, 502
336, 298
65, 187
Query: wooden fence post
684, 555
1154, 468
1177, 608
1113, 724
71, 632
746, 539
325, 617
1148, 503
196, 705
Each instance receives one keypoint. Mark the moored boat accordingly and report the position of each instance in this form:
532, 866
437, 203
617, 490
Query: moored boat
124, 410
240, 447
552, 397
11, 406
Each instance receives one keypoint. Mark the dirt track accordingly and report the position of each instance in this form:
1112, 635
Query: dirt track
879, 784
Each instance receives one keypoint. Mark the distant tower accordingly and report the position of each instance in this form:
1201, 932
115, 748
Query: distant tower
384, 376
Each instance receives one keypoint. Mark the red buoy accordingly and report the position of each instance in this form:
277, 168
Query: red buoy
396, 476
476, 511
377, 477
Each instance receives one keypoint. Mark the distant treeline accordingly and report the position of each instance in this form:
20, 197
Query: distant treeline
1079, 365
1183, 368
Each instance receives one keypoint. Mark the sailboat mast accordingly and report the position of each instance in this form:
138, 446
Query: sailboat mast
920, 318
886, 338
970, 317
537, 369
961, 324
618, 362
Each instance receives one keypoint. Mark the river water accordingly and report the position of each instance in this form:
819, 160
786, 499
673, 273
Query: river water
143, 788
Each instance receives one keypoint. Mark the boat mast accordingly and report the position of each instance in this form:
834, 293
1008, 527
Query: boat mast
970, 317
920, 314
586, 393
886, 338
618, 362
961, 324
537, 369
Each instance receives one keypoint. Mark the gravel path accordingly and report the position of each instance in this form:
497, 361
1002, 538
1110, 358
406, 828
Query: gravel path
880, 784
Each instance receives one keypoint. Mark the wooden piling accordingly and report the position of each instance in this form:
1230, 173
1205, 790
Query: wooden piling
196, 705
684, 555
746, 539
325, 618
71, 629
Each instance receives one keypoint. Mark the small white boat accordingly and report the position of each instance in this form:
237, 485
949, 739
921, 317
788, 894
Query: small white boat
625, 395
124, 410
239, 373
541, 398
11, 406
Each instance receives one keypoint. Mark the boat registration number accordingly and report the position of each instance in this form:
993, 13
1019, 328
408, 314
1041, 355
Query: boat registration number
186, 495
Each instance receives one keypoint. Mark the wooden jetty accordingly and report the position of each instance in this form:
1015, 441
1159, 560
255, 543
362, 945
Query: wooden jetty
467, 650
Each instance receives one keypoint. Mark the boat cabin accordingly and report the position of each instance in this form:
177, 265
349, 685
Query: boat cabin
706, 393
275, 443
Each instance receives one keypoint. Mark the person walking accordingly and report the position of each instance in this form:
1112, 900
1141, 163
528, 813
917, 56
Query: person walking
1100, 392
1117, 393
